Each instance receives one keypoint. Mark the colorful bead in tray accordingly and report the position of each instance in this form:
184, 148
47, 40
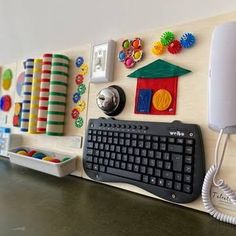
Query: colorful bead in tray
40, 155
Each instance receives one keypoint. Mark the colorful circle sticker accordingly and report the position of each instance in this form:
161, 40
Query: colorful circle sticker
5, 103
19, 83
79, 79
17, 109
79, 122
81, 89
79, 61
76, 97
75, 113
80, 106
83, 70
161, 99
7, 78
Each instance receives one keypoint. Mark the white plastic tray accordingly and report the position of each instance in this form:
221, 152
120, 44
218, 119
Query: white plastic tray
57, 169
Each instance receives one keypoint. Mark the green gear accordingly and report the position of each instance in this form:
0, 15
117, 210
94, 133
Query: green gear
167, 37
79, 122
81, 89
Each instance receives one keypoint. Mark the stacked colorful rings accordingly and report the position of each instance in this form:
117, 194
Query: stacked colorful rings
27, 87
34, 105
44, 93
57, 95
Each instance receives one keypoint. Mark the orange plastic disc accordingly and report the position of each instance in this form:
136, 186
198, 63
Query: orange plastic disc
161, 99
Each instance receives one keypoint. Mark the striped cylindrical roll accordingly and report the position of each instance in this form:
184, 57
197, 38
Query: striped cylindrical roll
57, 95
34, 105
27, 87
44, 93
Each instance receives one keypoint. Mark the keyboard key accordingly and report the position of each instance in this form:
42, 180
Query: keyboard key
136, 168
143, 152
130, 150
179, 140
160, 182
155, 146
123, 165
118, 156
188, 159
162, 146
90, 151
169, 184
163, 139
158, 155
187, 188
137, 160
188, 169
153, 180
177, 186
117, 164
89, 158
167, 174
102, 168
95, 167
150, 153
125, 158
187, 179
171, 140
89, 165
102, 153
150, 171
95, 160
144, 161
177, 160
145, 178
178, 176
111, 163
189, 141
157, 173
159, 164
166, 156
155, 138
136, 151
188, 150
124, 173
143, 169
90, 145
167, 165
175, 148
140, 144
152, 162
129, 166
131, 159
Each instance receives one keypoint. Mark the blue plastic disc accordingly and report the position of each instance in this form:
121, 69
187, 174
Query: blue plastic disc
122, 56
76, 97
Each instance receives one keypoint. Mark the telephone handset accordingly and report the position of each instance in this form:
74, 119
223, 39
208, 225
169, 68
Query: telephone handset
222, 112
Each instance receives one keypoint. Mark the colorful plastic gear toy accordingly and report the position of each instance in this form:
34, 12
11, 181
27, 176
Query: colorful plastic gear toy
75, 113
175, 47
187, 40
167, 37
158, 48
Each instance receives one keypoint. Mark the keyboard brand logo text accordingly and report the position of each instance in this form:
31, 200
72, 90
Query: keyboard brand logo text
177, 133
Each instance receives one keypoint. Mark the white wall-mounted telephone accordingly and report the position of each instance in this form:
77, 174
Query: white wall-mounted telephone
222, 110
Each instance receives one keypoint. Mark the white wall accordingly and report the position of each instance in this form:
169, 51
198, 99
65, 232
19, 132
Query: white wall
30, 27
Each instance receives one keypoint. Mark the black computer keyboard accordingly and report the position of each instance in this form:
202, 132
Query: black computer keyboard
166, 159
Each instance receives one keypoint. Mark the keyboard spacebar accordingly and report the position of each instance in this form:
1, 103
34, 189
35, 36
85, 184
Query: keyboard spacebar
124, 173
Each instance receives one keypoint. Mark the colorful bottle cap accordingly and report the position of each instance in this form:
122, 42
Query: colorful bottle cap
22, 152
79, 122
76, 97
122, 55
126, 44
137, 43
81, 89
55, 160
65, 159
79, 79
75, 113
129, 62
137, 55
83, 70
81, 106
47, 158
79, 61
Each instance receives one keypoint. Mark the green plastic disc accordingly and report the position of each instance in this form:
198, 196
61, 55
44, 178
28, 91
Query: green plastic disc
6, 79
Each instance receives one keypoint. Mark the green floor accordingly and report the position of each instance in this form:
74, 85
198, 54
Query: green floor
32, 203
